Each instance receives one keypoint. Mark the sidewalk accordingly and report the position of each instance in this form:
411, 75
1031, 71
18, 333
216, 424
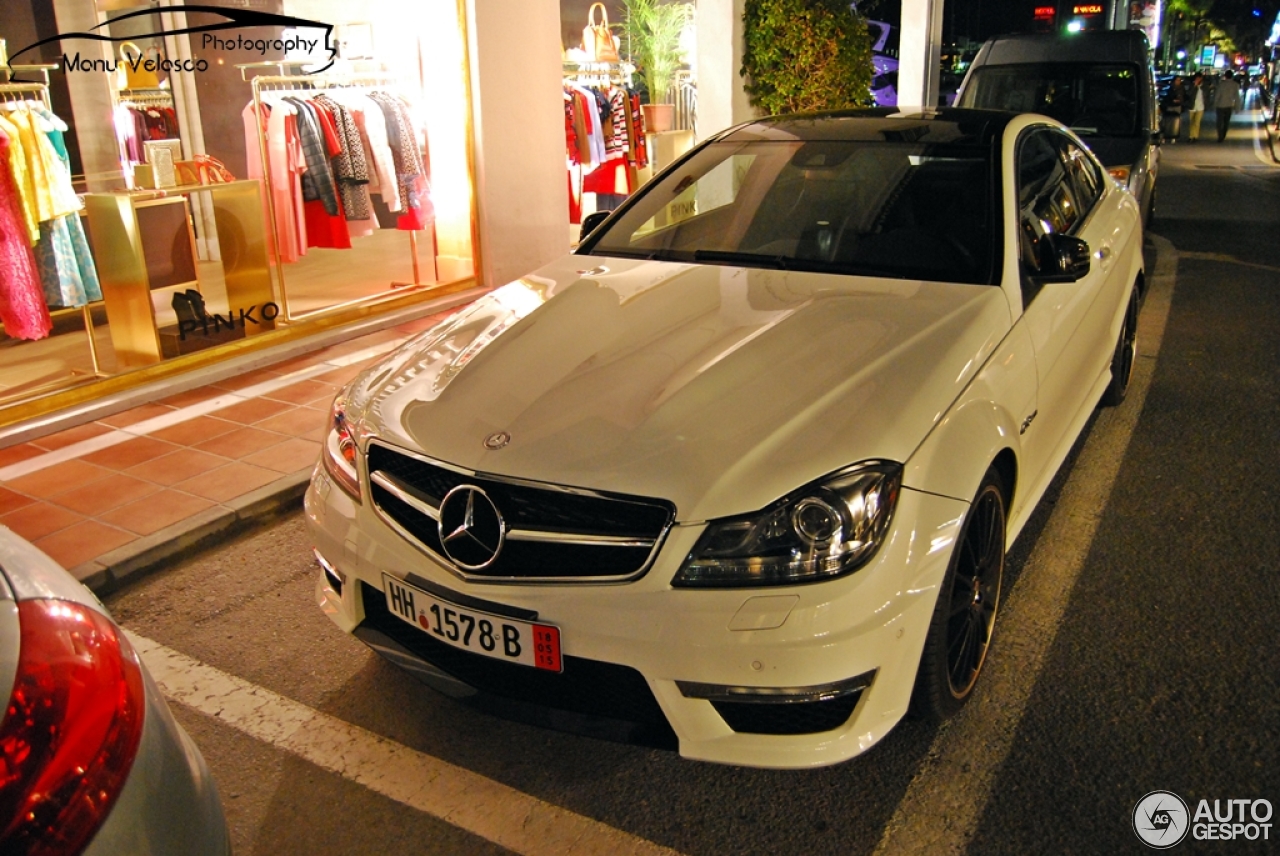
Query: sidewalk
122, 494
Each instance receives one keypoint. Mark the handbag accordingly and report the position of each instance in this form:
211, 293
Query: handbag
133, 63
597, 40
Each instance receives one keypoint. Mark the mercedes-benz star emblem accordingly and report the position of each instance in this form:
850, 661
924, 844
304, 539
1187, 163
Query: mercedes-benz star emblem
497, 441
471, 528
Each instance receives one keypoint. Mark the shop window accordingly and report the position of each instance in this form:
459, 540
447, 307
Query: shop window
182, 169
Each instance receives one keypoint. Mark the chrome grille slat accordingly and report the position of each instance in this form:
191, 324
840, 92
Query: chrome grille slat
577, 538
403, 493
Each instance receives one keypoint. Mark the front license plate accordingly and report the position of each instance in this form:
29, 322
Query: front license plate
510, 639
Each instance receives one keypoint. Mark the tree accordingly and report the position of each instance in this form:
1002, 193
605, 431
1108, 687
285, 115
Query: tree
805, 55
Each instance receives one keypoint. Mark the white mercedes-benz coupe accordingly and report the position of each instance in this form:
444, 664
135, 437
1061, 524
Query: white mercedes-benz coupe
741, 472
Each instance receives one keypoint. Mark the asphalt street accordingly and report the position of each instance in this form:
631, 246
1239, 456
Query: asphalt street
1139, 649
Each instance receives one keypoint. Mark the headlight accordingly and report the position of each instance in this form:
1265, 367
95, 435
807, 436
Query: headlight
829, 528
340, 451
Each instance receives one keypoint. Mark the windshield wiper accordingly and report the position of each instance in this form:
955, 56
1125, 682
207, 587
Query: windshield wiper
751, 259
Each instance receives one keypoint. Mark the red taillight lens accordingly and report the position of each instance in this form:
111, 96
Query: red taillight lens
71, 729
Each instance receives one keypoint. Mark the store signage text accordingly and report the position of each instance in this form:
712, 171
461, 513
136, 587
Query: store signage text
1046, 11
213, 322
1087, 9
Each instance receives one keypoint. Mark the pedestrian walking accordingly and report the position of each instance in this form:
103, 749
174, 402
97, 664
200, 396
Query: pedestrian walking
1225, 95
1171, 108
1195, 102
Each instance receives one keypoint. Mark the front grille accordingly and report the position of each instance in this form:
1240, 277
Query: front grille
551, 533
587, 687
810, 717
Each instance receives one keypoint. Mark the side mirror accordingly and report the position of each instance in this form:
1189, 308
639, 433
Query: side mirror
1063, 258
590, 222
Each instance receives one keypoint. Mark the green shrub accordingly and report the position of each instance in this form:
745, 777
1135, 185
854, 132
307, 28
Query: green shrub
805, 55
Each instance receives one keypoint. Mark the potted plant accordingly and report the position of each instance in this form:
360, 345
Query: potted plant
653, 28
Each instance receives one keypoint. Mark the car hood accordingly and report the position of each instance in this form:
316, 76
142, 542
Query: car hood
716, 388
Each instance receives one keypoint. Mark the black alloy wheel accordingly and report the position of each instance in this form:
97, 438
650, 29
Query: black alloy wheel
1125, 356
964, 618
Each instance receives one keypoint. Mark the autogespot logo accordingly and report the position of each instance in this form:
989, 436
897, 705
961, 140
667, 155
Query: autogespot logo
1160, 819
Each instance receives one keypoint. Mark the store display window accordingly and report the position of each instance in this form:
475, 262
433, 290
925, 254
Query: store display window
166, 193
630, 96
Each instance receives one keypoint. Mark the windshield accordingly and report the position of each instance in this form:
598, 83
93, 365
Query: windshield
1091, 99
909, 210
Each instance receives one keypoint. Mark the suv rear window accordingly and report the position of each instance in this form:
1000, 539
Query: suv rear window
1090, 99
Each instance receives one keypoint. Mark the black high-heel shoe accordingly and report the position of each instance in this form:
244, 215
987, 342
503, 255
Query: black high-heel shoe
184, 309
196, 300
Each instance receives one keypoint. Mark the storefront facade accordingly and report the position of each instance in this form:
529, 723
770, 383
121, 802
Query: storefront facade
200, 185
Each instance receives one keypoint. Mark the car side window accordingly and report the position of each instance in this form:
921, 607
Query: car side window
1085, 176
1047, 202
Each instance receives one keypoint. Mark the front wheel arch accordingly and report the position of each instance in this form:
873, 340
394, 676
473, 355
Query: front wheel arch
963, 624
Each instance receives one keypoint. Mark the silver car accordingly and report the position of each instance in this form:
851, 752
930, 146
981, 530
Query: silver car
91, 760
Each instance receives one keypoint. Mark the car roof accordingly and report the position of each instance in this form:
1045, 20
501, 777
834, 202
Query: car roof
880, 124
1089, 46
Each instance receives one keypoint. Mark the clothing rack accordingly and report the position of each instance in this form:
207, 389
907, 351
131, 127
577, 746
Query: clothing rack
41, 69
17, 92
316, 83
20, 91
596, 73
606, 76
154, 95
246, 68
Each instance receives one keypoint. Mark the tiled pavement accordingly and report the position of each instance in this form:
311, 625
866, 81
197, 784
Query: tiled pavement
119, 495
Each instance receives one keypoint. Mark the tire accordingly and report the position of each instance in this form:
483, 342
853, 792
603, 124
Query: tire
964, 617
1126, 354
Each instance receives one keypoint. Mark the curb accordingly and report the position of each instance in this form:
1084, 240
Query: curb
130, 563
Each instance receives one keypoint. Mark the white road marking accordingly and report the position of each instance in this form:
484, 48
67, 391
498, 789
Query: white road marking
191, 411
944, 802
467, 800
1228, 260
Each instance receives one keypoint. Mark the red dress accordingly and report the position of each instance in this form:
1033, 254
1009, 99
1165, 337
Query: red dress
22, 307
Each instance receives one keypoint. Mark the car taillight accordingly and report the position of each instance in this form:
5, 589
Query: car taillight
70, 731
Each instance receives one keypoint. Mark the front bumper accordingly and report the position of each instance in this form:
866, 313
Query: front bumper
718, 669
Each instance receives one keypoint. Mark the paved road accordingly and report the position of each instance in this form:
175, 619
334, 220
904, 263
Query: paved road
1137, 649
